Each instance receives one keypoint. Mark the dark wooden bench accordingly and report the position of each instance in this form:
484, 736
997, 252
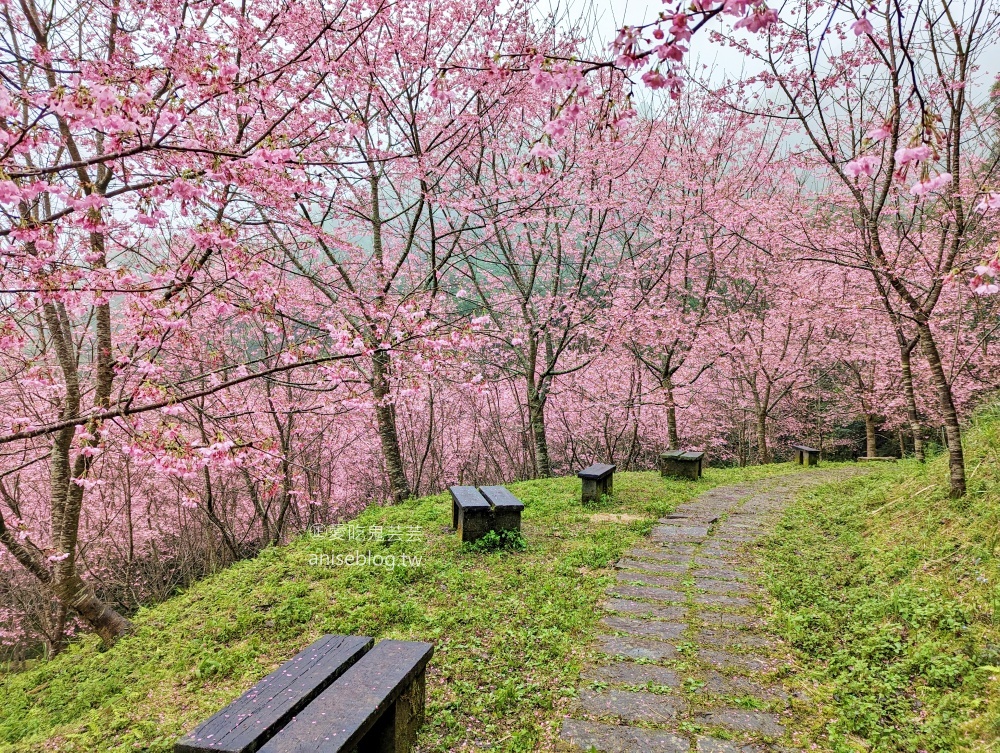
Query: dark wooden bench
374, 703
805, 455
878, 459
377, 706
253, 718
598, 481
471, 514
507, 508
681, 464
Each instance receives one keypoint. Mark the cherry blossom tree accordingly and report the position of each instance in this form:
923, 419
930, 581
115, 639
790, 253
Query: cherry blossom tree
887, 110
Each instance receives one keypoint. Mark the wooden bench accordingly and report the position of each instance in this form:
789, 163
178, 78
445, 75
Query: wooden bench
681, 464
806, 455
507, 508
253, 718
377, 706
339, 694
878, 459
471, 514
598, 481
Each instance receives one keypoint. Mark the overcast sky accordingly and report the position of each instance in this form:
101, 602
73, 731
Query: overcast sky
611, 15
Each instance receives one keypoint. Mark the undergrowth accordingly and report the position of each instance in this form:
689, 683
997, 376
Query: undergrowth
890, 592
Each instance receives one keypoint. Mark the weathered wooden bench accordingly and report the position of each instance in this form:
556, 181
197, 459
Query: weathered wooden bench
507, 508
598, 481
681, 464
337, 695
254, 717
471, 514
805, 455
878, 459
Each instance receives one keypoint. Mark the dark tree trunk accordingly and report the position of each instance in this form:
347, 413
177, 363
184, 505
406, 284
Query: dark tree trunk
906, 350
952, 429
871, 440
763, 453
672, 438
79, 596
385, 416
536, 417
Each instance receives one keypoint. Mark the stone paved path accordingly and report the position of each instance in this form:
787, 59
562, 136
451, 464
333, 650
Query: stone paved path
685, 664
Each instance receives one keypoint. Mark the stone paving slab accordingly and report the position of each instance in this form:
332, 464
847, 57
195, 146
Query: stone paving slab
661, 555
646, 609
613, 739
720, 600
636, 648
735, 538
722, 548
679, 533
720, 573
678, 568
631, 673
715, 745
721, 562
633, 576
741, 720
677, 547
650, 593
725, 660
715, 618
665, 631
698, 517
631, 705
723, 586
733, 638
736, 686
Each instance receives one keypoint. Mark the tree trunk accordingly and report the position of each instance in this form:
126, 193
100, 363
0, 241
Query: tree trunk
871, 449
763, 454
79, 596
536, 416
911, 401
952, 430
385, 416
672, 438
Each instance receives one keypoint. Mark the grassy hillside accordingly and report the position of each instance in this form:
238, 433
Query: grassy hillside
890, 591
509, 629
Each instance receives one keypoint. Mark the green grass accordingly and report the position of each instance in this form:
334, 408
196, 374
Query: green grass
890, 593
510, 628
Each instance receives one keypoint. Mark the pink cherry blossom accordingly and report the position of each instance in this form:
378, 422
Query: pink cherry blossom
9, 192
760, 19
654, 79
906, 155
933, 184
988, 202
542, 151
881, 133
862, 26
862, 166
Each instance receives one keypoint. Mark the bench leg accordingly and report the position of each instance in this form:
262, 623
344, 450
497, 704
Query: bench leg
473, 524
507, 521
590, 493
396, 730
